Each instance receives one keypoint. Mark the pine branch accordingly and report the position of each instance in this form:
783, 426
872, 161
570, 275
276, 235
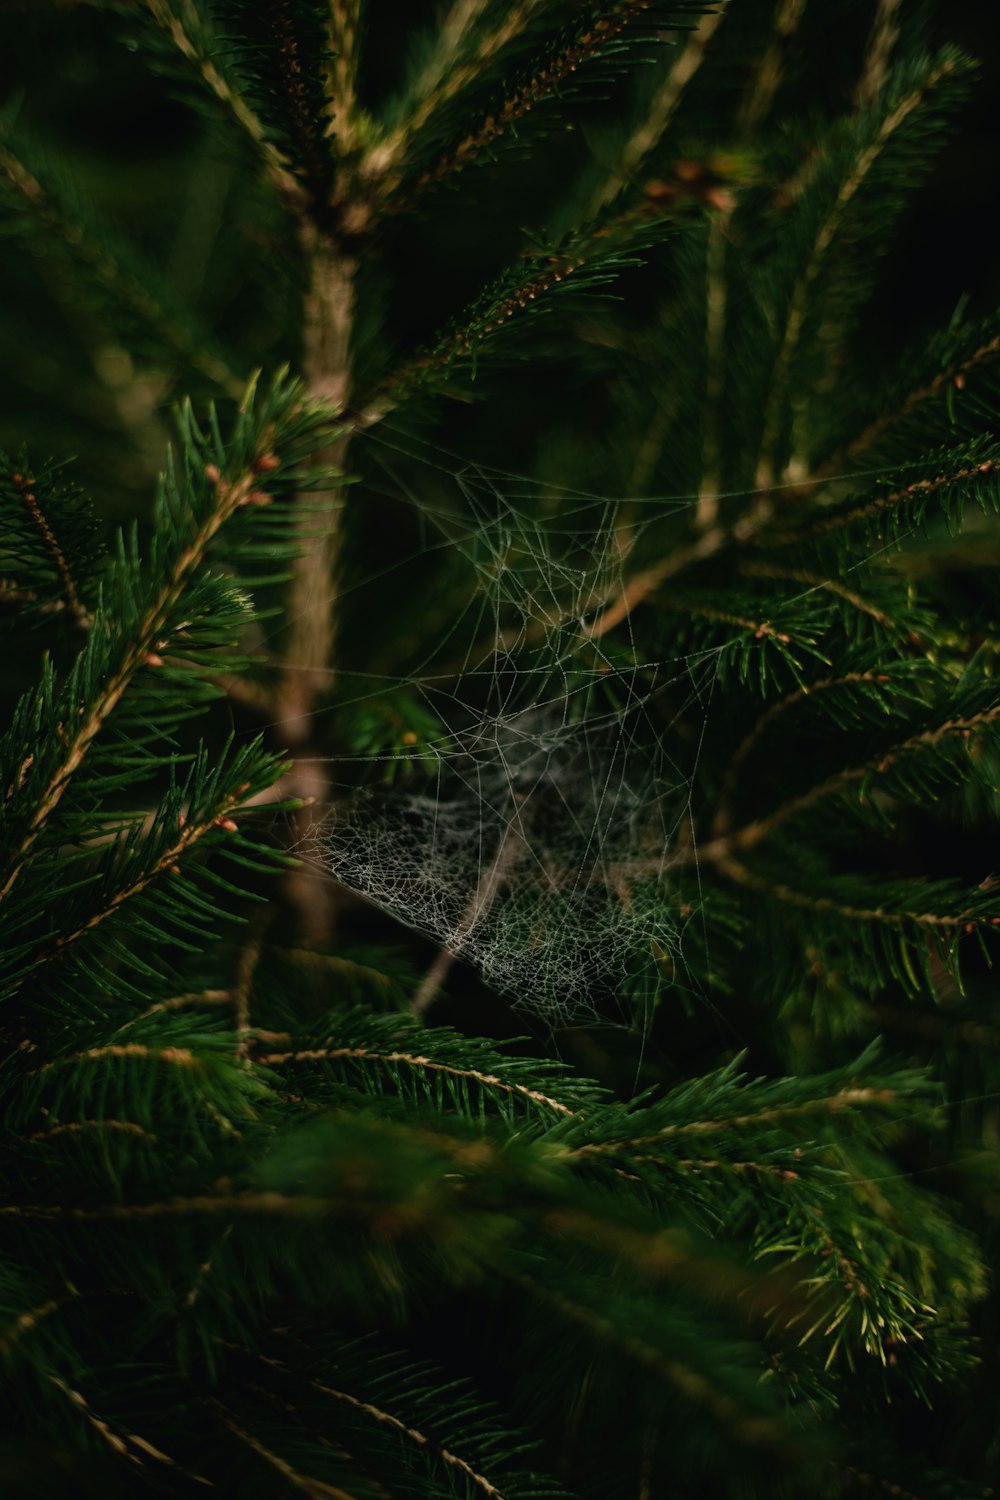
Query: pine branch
446, 75
895, 415
828, 228
647, 135
958, 727
47, 524
471, 1071
132, 287
883, 689
906, 502
767, 75
395, 1424
878, 53
184, 26
153, 617
594, 39
690, 1384
583, 264
942, 922
306, 1484
279, 57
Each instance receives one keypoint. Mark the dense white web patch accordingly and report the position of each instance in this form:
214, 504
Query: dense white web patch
531, 833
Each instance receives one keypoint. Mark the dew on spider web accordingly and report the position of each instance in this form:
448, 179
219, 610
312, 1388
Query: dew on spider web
532, 833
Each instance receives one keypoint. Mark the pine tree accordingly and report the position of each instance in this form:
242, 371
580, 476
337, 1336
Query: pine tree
496, 901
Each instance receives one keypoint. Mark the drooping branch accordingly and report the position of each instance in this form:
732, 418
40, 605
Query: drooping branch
413, 1060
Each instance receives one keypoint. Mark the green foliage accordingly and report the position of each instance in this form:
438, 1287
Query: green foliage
289, 1202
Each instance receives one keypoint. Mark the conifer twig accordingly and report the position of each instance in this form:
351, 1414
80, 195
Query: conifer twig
328, 318
444, 77
181, 23
919, 489
229, 497
413, 1060
850, 453
547, 80
767, 75
826, 234
315, 1489
386, 1418
649, 132
852, 1096
740, 874
101, 262
780, 707
761, 828
82, 617
878, 53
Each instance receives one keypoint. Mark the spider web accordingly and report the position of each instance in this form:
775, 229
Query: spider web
531, 832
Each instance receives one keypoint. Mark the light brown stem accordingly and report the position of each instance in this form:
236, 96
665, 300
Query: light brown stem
312, 616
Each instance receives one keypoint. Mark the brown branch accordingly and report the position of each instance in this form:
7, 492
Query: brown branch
181, 1057
464, 340
265, 1204
852, 1097
764, 723
130, 1445
12, 594
739, 874
753, 833
881, 40
639, 587
307, 131
189, 835
414, 1060
26, 1321
306, 671
177, 1002
384, 1417
919, 489
767, 75
489, 887
886, 420
24, 486
72, 1127
751, 531
318, 1489
414, 1435
817, 581
752, 1430
342, 71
